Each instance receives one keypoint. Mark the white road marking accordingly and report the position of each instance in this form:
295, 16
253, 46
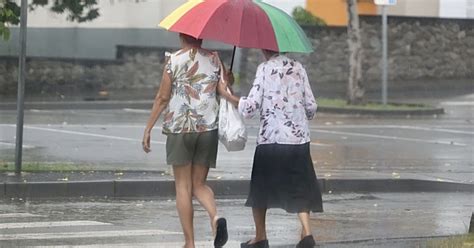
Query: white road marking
139, 111
19, 215
51, 224
200, 244
92, 234
320, 144
433, 129
391, 138
313, 129
92, 135
458, 103
8, 144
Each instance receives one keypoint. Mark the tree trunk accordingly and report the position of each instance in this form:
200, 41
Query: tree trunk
355, 92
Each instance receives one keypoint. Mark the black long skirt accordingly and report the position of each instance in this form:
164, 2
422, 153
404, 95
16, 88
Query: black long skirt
283, 177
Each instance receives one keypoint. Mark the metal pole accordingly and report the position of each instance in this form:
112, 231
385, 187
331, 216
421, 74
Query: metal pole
233, 57
21, 86
384, 55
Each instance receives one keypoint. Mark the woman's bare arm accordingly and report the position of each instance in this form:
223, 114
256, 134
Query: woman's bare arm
161, 102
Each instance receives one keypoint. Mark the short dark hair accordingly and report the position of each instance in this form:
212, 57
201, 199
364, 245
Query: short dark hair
190, 40
271, 52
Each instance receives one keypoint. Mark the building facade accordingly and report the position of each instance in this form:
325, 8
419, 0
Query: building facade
334, 12
121, 22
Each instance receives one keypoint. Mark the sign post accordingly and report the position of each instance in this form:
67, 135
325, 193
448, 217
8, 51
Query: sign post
384, 4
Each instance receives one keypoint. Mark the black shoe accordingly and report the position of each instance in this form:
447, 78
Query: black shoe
259, 244
221, 233
306, 242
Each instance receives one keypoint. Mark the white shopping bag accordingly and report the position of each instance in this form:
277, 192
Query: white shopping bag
232, 132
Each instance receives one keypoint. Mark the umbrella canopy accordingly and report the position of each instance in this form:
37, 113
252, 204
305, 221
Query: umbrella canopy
242, 23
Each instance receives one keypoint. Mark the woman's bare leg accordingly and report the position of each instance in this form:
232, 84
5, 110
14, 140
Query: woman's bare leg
259, 217
306, 227
204, 193
184, 203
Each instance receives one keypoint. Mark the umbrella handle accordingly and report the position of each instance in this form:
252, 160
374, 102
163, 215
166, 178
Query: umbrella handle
233, 56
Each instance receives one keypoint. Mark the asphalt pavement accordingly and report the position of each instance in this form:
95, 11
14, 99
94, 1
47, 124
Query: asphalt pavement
350, 220
436, 148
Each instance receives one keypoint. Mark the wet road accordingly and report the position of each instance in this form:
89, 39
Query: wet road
433, 147
364, 220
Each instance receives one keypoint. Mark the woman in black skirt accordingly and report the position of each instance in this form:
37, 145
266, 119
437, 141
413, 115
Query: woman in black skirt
283, 175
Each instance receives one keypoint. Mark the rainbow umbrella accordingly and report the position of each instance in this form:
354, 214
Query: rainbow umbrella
242, 23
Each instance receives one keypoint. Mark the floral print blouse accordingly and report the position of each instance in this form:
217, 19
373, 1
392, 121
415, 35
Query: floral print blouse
193, 106
282, 95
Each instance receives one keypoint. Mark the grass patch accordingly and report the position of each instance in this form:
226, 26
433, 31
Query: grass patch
44, 167
340, 103
464, 241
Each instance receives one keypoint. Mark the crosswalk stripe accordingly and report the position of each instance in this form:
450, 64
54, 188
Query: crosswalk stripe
199, 244
94, 234
19, 215
50, 224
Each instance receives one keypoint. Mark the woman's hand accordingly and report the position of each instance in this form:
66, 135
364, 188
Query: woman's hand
230, 78
146, 142
222, 88
161, 101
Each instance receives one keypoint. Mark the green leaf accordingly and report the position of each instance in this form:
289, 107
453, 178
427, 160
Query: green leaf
4, 32
304, 17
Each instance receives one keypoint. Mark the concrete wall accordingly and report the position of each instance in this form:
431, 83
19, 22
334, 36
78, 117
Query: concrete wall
85, 43
426, 8
457, 8
121, 22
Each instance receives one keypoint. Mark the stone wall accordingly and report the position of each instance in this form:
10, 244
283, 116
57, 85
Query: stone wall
136, 68
421, 52
133, 68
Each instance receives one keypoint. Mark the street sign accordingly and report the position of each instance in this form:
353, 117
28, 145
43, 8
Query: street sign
384, 5
385, 2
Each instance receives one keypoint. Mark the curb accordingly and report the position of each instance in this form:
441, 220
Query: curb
222, 188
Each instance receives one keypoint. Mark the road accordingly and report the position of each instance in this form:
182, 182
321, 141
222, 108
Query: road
349, 220
433, 147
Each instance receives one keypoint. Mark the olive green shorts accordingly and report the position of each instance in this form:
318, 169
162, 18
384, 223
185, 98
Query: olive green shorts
192, 148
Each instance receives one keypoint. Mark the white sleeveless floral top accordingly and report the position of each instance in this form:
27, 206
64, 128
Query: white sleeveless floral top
193, 105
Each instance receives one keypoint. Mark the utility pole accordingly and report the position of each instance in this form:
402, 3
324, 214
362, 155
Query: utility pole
21, 87
384, 55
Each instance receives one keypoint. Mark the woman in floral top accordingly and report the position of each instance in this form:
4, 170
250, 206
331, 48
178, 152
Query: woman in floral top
283, 175
187, 95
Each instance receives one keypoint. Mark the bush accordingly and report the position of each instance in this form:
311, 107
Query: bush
306, 18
